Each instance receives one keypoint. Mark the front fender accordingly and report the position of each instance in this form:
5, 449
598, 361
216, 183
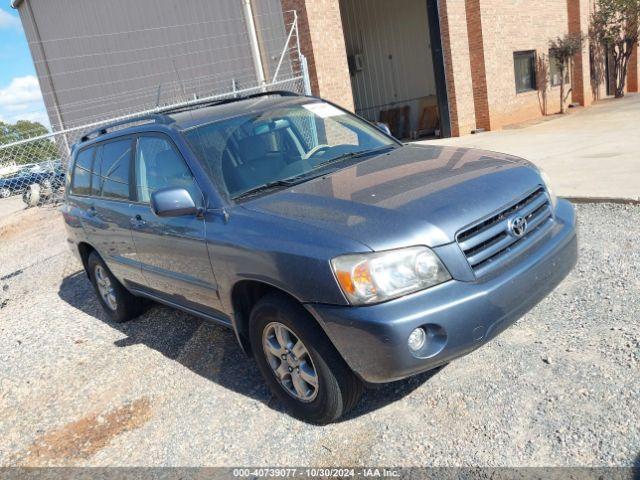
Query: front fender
288, 255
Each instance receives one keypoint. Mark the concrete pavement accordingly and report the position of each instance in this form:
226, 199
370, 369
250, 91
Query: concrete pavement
9, 206
592, 153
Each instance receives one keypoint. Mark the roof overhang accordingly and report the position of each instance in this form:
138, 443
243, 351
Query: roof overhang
15, 3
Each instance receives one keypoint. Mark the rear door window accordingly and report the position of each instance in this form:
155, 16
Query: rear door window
111, 170
81, 181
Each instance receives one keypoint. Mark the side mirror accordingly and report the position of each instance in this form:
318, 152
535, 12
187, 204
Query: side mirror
384, 127
173, 202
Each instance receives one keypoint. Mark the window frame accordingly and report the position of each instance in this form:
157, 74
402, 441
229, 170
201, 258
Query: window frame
73, 172
533, 61
100, 145
134, 185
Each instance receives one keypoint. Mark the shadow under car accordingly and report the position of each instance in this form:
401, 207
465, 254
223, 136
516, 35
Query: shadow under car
210, 350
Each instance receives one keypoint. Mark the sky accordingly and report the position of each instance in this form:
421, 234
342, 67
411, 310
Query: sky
20, 96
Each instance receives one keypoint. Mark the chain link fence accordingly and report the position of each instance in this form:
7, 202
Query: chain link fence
33, 165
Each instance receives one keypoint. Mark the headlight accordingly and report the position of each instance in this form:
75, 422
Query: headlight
378, 276
547, 184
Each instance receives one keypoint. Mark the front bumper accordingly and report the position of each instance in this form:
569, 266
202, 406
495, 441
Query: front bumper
460, 316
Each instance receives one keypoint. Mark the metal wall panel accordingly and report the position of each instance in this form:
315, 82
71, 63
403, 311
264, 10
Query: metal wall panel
393, 39
107, 58
271, 35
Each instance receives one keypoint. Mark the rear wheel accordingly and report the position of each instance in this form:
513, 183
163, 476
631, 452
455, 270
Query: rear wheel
119, 304
26, 197
299, 363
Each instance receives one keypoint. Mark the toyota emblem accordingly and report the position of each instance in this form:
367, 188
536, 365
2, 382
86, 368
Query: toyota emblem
518, 226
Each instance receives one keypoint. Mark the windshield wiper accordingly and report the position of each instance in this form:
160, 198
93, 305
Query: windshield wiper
265, 187
303, 177
350, 155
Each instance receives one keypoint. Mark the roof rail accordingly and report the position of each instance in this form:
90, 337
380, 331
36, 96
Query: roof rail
156, 117
230, 99
163, 117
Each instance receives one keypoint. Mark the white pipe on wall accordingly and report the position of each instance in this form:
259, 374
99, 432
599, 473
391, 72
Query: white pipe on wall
253, 41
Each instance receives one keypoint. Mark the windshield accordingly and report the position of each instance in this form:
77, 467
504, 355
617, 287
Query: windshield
251, 151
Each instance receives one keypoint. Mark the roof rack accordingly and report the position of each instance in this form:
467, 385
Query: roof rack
230, 99
156, 117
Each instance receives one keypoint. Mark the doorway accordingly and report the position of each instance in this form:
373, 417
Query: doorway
396, 66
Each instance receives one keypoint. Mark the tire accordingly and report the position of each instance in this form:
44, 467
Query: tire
121, 306
5, 193
26, 198
338, 389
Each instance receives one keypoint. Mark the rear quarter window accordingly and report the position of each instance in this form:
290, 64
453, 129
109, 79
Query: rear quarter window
81, 178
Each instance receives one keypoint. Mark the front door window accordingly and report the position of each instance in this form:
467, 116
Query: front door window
157, 166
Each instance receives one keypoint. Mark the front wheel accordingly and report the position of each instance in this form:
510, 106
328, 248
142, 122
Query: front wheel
5, 193
299, 363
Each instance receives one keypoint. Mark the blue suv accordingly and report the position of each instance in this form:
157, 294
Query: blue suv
339, 256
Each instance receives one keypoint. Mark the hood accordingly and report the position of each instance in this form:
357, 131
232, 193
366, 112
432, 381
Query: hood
413, 195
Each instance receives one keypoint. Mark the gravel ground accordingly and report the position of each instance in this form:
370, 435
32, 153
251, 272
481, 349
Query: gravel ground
559, 388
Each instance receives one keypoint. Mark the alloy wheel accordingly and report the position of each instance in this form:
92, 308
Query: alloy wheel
105, 287
290, 361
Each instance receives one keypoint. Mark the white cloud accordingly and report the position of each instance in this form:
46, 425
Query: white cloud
20, 107
21, 90
39, 116
22, 100
8, 21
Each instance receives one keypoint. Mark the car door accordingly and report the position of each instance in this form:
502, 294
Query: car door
171, 251
107, 206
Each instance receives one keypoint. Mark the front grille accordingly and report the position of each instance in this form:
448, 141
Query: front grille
490, 241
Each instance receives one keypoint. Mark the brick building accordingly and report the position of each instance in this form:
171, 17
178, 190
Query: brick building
483, 63
444, 67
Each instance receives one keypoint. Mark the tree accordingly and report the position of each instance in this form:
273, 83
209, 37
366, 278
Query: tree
542, 78
562, 50
597, 61
614, 24
35, 151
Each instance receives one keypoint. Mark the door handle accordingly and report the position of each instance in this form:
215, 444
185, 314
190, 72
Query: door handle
137, 221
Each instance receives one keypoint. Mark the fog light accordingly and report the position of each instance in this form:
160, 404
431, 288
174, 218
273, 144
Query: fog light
417, 339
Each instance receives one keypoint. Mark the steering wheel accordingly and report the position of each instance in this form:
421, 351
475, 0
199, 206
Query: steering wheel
316, 149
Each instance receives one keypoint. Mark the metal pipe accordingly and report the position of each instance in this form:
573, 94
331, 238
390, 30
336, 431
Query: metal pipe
284, 51
305, 75
253, 43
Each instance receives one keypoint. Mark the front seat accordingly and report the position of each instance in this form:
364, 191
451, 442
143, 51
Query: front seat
258, 165
168, 170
